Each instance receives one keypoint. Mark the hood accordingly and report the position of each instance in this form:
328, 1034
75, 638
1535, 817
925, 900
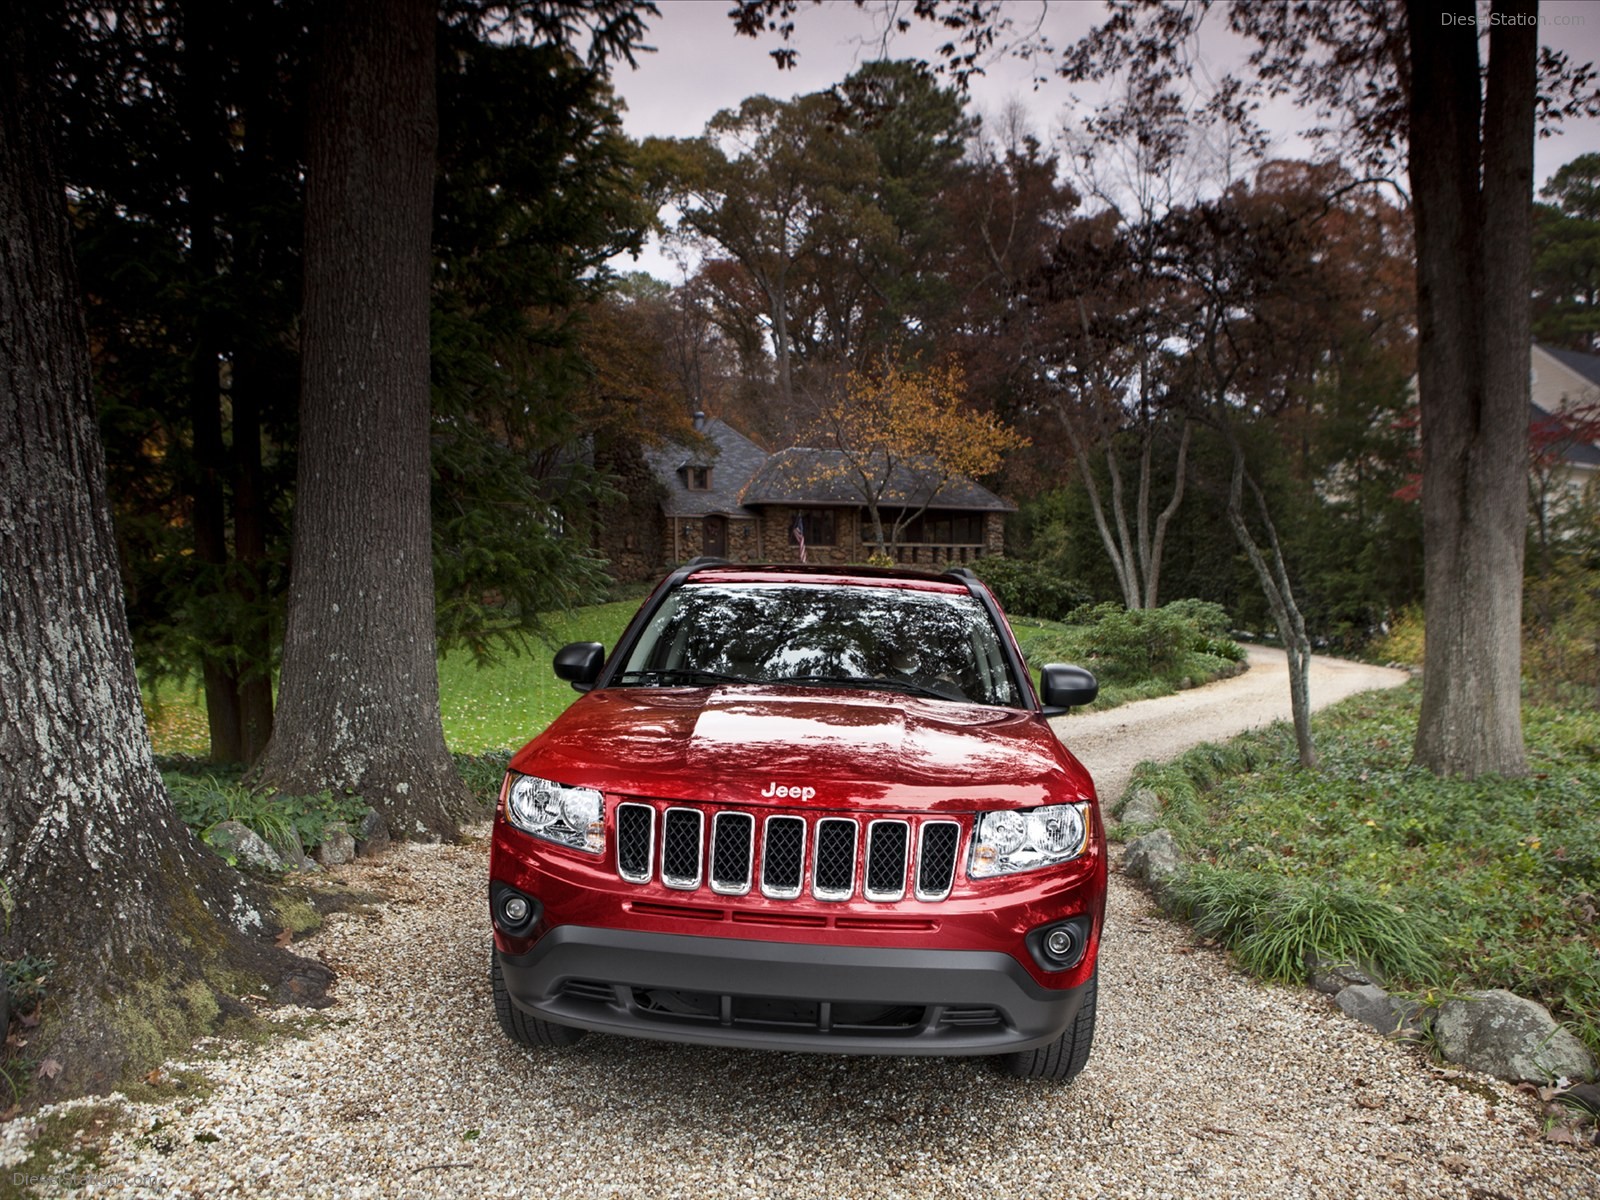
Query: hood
788, 747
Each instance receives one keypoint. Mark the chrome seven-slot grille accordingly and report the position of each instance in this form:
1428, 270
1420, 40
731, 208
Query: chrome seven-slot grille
781, 855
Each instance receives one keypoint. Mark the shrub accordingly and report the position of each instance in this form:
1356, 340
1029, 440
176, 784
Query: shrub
1031, 589
1561, 630
1210, 620
205, 800
1402, 641
1130, 644
1275, 925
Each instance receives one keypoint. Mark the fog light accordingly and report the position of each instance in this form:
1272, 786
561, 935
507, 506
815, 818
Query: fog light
514, 913
1061, 945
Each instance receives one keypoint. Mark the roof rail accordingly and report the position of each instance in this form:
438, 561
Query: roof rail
963, 572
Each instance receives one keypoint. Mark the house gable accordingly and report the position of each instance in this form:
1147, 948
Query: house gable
732, 499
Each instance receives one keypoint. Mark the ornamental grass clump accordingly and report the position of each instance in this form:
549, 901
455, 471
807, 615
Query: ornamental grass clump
1276, 925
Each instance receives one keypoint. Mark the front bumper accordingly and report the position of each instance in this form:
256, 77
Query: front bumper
786, 996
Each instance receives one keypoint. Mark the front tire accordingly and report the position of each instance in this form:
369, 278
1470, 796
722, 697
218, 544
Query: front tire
1062, 1059
518, 1025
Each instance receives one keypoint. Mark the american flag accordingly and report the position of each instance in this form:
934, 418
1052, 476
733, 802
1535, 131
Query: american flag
799, 532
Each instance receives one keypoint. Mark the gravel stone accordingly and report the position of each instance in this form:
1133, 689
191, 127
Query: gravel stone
1202, 1083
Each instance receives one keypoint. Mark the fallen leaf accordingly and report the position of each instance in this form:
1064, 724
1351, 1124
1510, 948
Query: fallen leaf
49, 1069
1561, 1135
284, 938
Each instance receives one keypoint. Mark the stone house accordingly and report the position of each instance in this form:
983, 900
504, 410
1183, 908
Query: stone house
731, 499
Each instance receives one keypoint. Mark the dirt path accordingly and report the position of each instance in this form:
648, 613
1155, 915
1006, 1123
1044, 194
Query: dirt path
1112, 743
1202, 1083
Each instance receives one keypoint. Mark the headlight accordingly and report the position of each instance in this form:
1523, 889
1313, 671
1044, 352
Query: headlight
1013, 840
569, 816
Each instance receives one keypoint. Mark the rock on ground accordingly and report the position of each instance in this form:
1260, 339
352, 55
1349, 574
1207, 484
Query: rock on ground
1509, 1037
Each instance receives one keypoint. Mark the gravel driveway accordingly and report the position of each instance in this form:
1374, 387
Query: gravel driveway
1202, 1083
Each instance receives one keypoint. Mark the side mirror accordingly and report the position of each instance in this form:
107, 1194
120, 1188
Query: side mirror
1063, 686
579, 663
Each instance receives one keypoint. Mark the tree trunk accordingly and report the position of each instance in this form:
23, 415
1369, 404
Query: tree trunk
1124, 568
208, 518
358, 705
1157, 546
99, 874
250, 553
1473, 273
1273, 576
1136, 563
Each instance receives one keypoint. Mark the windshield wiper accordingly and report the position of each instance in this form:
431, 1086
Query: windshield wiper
680, 675
858, 681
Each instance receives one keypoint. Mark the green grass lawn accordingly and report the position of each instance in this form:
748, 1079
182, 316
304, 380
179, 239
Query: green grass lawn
497, 707
1449, 885
502, 706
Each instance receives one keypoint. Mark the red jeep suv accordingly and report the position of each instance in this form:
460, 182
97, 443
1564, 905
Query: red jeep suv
805, 808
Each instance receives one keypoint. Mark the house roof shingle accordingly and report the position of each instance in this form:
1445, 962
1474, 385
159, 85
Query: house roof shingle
1586, 365
733, 458
821, 478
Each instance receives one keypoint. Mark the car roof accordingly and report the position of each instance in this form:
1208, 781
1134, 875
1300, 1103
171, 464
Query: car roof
828, 575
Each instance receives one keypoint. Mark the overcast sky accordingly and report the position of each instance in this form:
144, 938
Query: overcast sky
700, 67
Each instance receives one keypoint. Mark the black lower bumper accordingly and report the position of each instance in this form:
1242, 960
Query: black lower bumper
782, 996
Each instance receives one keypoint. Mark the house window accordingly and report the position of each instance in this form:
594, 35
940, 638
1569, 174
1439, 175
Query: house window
697, 479
942, 528
817, 524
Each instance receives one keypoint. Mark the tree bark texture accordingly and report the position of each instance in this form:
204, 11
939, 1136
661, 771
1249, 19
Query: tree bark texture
1473, 204
99, 874
359, 695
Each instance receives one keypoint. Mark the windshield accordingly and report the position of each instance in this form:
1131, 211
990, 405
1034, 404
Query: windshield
935, 644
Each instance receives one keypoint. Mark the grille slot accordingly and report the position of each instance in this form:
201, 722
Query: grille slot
733, 846
783, 857
681, 840
834, 872
786, 853
636, 840
887, 846
936, 859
